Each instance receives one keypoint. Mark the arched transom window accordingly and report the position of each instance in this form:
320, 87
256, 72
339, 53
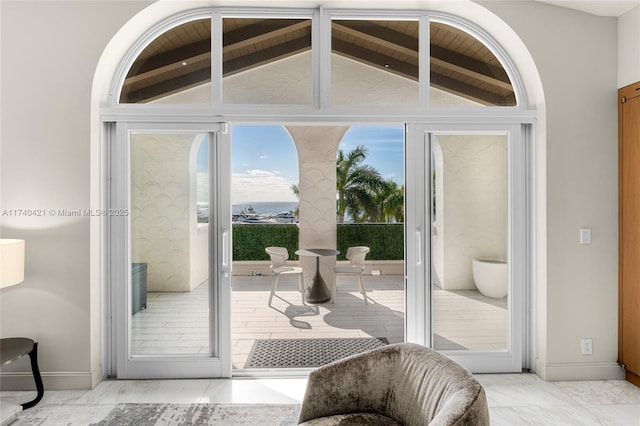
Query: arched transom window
318, 59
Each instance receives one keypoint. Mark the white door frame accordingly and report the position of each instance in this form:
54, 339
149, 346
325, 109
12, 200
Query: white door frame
418, 237
218, 362
417, 252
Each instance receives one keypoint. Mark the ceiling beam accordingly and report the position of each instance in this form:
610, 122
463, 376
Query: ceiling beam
471, 92
167, 87
408, 45
379, 35
168, 61
264, 56
375, 59
410, 71
261, 31
470, 67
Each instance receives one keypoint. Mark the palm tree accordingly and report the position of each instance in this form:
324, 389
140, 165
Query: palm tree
390, 202
356, 184
296, 191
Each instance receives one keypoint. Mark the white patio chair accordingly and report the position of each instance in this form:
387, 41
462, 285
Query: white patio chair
356, 256
279, 266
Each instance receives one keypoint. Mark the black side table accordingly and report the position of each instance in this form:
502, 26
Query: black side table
14, 348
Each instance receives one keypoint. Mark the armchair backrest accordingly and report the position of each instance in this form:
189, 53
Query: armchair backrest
278, 255
356, 255
408, 383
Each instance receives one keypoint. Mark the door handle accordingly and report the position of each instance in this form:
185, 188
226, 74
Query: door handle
418, 247
225, 249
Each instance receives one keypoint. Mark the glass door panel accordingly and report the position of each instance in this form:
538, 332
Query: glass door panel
170, 268
469, 242
169, 244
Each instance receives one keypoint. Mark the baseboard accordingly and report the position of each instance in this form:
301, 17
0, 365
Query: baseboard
96, 377
67, 380
600, 371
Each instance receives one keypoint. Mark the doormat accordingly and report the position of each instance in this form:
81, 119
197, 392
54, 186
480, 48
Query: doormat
302, 353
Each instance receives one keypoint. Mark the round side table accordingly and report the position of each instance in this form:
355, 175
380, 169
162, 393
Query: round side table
14, 348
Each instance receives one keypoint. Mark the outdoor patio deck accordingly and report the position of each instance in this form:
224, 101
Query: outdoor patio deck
175, 323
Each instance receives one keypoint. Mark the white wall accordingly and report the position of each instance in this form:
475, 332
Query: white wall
49, 53
629, 48
575, 54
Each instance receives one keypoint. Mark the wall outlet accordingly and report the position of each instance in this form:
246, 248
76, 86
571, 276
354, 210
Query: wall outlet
375, 272
587, 346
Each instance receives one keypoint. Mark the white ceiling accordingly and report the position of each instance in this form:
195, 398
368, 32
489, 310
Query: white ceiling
597, 7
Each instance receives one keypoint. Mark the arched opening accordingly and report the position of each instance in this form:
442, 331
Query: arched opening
324, 105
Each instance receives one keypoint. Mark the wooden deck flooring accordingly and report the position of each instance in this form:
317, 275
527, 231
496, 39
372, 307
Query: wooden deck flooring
176, 323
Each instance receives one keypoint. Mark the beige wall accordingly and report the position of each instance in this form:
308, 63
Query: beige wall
49, 54
575, 54
628, 47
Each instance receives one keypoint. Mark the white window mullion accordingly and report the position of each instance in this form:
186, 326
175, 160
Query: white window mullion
424, 64
216, 59
324, 54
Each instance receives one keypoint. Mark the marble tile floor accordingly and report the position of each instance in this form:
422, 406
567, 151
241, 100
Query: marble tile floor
514, 399
176, 323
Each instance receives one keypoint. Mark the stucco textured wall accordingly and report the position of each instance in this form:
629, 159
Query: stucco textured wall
162, 214
471, 217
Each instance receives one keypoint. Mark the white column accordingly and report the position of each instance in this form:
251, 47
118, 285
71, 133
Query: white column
317, 151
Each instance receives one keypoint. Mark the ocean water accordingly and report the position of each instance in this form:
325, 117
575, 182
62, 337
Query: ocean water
266, 207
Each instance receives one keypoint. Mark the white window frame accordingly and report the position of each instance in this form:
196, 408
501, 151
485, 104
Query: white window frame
123, 363
418, 235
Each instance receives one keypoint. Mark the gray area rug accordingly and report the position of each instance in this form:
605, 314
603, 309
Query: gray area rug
301, 353
158, 415
199, 414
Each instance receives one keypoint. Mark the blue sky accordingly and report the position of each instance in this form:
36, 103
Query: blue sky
265, 163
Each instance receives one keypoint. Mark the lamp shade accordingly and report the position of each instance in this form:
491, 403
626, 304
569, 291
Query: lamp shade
11, 262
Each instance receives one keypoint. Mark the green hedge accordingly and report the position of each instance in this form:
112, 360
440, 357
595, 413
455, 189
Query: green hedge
249, 241
385, 240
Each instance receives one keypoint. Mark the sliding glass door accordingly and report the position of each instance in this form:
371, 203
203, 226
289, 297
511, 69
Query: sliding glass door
468, 228
171, 257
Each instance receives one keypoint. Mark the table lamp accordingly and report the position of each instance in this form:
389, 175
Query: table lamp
11, 262
12, 273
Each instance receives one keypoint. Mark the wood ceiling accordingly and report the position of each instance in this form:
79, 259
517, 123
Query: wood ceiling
181, 58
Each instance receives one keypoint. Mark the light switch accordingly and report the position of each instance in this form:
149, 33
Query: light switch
585, 235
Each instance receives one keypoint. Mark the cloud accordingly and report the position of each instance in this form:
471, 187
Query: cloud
263, 157
257, 172
260, 185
